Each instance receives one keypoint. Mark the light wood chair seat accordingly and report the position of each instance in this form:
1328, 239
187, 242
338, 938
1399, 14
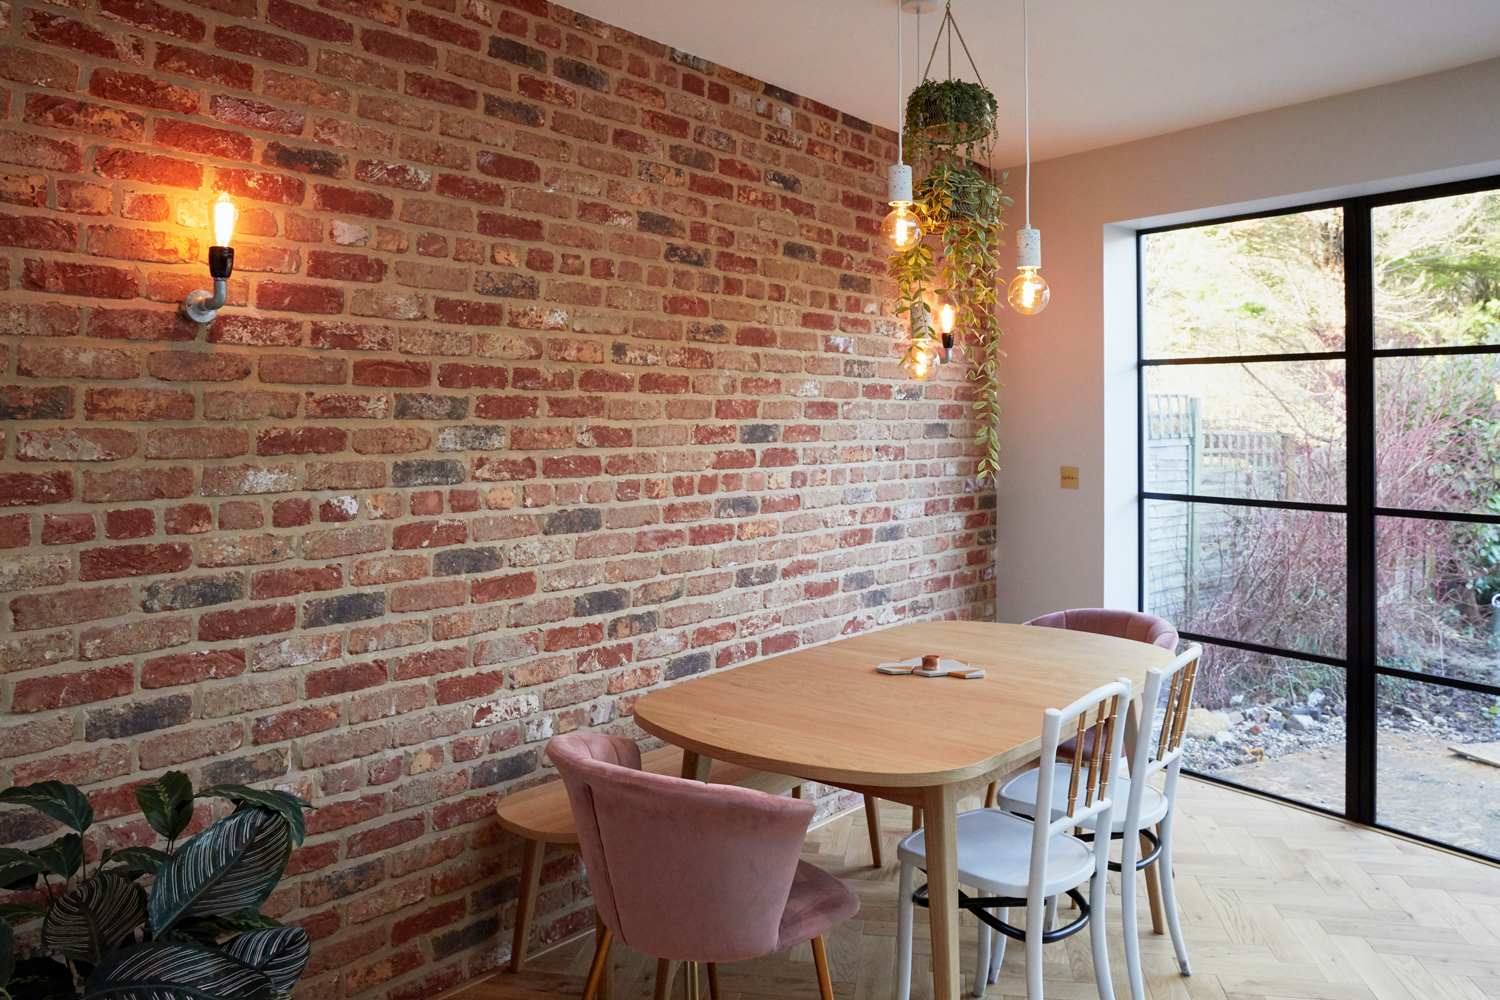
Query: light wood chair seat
541, 815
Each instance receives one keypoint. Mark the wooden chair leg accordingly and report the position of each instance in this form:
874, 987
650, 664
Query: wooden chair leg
690, 980
820, 962
596, 970
1153, 891
990, 793
872, 821
713, 981
797, 791
916, 818
665, 972
531, 880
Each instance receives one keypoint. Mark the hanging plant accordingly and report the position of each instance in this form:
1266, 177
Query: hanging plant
947, 135
950, 113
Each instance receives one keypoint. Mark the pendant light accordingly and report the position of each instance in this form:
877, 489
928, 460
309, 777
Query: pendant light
901, 230
1028, 292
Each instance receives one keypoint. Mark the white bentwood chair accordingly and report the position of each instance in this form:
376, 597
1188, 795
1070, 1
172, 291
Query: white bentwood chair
1145, 806
1016, 862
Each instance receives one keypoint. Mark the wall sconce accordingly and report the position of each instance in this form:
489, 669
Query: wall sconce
945, 324
202, 306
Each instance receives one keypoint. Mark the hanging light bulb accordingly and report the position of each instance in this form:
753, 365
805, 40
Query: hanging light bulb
901, 230
225, 216
1028, 292
946, 316
922, 359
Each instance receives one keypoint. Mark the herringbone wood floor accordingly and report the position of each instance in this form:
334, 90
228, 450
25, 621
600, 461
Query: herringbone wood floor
1276, 903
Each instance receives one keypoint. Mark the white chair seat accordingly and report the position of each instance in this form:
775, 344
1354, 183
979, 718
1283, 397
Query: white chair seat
1019, 796
994, 855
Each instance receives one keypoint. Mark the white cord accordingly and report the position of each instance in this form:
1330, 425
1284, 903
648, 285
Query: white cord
1026, 73
900, 90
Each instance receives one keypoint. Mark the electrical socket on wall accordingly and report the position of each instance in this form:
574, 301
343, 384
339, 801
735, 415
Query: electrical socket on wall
1070, 477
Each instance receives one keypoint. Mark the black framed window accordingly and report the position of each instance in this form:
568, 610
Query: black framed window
1320, 500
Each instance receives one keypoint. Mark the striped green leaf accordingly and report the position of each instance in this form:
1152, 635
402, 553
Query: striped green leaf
231, 866
175, 970
64, 855
279, 952
285, 803
94, 918
63, 803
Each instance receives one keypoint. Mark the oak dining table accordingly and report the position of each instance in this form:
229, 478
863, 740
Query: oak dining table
825, 714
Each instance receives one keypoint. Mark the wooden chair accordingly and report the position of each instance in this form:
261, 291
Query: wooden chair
1014, 861
540, 815
1145, 807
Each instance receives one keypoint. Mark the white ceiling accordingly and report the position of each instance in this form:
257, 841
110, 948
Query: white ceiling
1102, 71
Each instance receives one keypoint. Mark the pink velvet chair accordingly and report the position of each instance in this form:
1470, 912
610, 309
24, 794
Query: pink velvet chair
689, 872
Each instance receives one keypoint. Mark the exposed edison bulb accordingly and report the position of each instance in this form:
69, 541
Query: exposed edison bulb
945, 317
901, 230
224, 219
922, 359
1028, 292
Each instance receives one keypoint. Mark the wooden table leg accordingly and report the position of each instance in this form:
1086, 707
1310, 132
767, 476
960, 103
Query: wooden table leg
531, 880
872, 823
695, 766
939, 816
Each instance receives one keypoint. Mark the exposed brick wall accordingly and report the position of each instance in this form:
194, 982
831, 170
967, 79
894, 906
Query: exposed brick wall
558, 365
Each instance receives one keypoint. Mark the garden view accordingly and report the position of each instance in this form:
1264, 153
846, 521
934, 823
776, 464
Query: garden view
1274, 429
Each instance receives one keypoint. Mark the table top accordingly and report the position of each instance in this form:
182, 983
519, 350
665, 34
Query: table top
825, 714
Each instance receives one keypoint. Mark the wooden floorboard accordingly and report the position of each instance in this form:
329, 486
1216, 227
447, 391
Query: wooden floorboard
1277, 904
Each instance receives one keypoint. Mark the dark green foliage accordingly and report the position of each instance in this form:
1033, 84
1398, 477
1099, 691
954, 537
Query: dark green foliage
285, 803
231, 866
19, 869
63, 803
64, 855
167, 803
174, 970
951, 113
41, 979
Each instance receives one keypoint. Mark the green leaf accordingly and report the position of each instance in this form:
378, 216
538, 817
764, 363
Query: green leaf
231, 866
7, 952
19, 869
137, 861
63, 803
175, 970
19, 913
41, 979
285, 803
167, 803
279, 952
94, 918
64, 855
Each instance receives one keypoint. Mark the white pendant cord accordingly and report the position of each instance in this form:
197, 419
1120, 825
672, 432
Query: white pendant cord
900, 90
1026, 74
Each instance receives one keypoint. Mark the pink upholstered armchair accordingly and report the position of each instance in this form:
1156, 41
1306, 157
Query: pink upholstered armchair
690, 872
1134, 625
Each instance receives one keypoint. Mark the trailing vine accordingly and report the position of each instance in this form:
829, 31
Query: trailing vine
960, 208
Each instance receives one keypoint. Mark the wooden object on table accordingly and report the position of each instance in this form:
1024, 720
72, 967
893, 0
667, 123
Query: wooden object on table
822, 714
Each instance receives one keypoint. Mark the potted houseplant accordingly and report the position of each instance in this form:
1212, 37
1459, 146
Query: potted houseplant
952, 113
198, 934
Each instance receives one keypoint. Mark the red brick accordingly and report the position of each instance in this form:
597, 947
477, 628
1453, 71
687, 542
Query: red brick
346, 201
428, 88
137, 523
305, 21
191, 668
40, 694
299, 440
66, 529
195, 138
260, 45
62, 277
142, 244
155, 17
345, 266
15, 531
38, 233
262, 620
142, 91
197, 442
39, 69
259, 186
398, 47
133, 560
292, 297
192, 366
187, 519
392, 373
429, 534
138, 404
